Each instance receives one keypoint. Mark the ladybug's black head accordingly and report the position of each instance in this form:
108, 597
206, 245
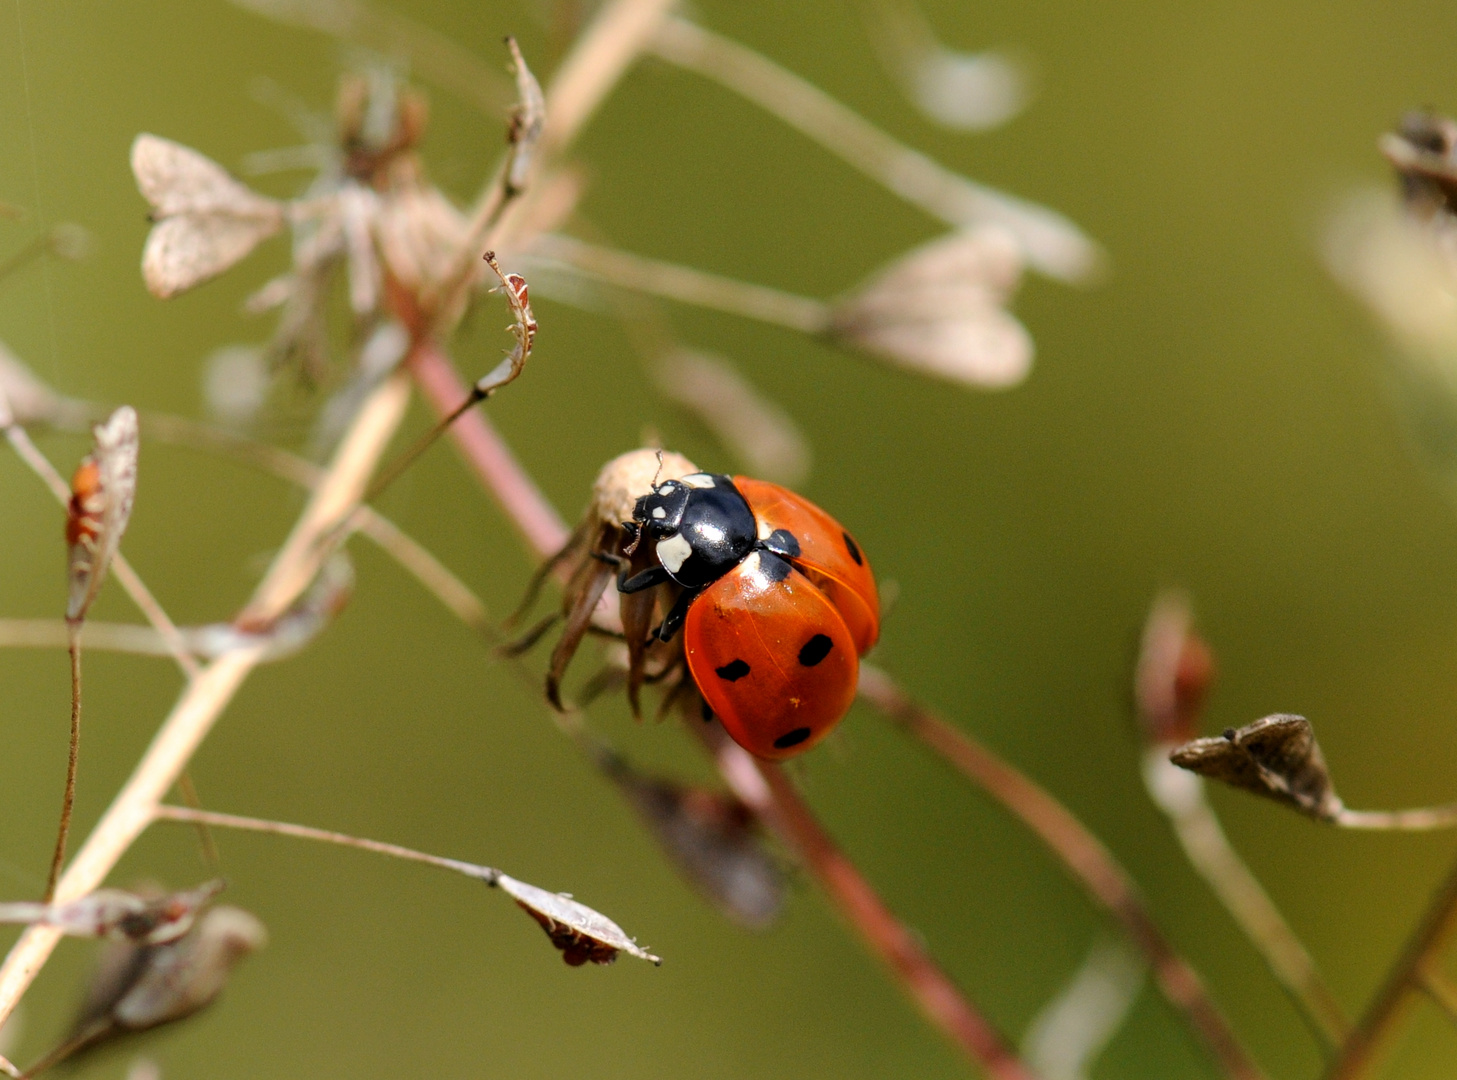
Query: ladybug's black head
700, 527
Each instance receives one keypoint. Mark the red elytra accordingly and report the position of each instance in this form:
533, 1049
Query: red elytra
776, 654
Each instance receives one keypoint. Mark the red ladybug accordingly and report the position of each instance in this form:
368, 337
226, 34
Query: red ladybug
778, 604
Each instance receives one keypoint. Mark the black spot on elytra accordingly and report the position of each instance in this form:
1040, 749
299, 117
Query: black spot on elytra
853, 548
782, 542
733, 671
792, 738
815, 650
775, 568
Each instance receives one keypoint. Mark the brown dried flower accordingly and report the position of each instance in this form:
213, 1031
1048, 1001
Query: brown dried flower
580, 933
1175, 672
1277, 757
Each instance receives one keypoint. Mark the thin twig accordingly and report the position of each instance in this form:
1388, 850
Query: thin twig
1082, 853
1440, 990
1181, 797
165, 812
764, 788
1053, 243
1416, 820
1358, 1057
625, 270
68, 800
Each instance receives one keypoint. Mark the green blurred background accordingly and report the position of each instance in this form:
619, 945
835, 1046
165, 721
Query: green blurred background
1214, 415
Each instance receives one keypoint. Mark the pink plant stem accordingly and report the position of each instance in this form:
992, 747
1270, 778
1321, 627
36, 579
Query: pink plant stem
488, 455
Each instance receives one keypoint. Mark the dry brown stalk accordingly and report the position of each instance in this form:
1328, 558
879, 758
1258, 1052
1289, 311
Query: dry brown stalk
1082, 853
1360, 1053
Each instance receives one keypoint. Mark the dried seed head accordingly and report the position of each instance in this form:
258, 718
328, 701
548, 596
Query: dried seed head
136, 987
419, 232
528, 118
939, 310
1277, 757
102, 492
630, 476
709, 836
1175, 672
756, 430
579, 932
119, 915
1424, 154
206, 220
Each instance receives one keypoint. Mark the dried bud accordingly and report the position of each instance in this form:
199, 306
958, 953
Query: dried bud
1424, 154
756, 430
528, 117
939, 310
630, 476
710, 838
1277, 757
102, 492
119, 915
1175, 672
24, 399
206, 221
579, 932
136, 987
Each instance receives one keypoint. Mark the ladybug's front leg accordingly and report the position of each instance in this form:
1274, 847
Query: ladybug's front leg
652, 576
673, 622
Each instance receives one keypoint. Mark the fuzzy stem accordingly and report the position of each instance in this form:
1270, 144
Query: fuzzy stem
68, 800
1053, 243
163, 812
1358, 1057
1082, 853
625, 270
1418, 820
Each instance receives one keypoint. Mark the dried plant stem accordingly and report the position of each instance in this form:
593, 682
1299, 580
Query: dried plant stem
1181, 796
1440, 990
1053, 244
763, 787
1359, 1054
622, 269
1418, 820
1082, 853
163, 812
68, 800
204, 699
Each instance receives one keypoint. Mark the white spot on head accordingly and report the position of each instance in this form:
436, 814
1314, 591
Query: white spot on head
673, 552
698, 480
659, 512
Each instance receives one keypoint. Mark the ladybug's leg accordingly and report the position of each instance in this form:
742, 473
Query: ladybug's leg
673, 622
653, 575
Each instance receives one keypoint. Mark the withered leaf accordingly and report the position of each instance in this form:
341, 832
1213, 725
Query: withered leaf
206, 221
1277, 757
580, 933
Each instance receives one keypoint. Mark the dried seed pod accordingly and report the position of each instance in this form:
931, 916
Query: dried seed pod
939, 310
528, 118
102, 491
589, 556
761, 434
1277, 757
206, 221
1175, 672
709, 836
136, 987
579, 932
119, 915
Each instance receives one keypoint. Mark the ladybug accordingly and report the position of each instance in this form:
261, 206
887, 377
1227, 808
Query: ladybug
778, 604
